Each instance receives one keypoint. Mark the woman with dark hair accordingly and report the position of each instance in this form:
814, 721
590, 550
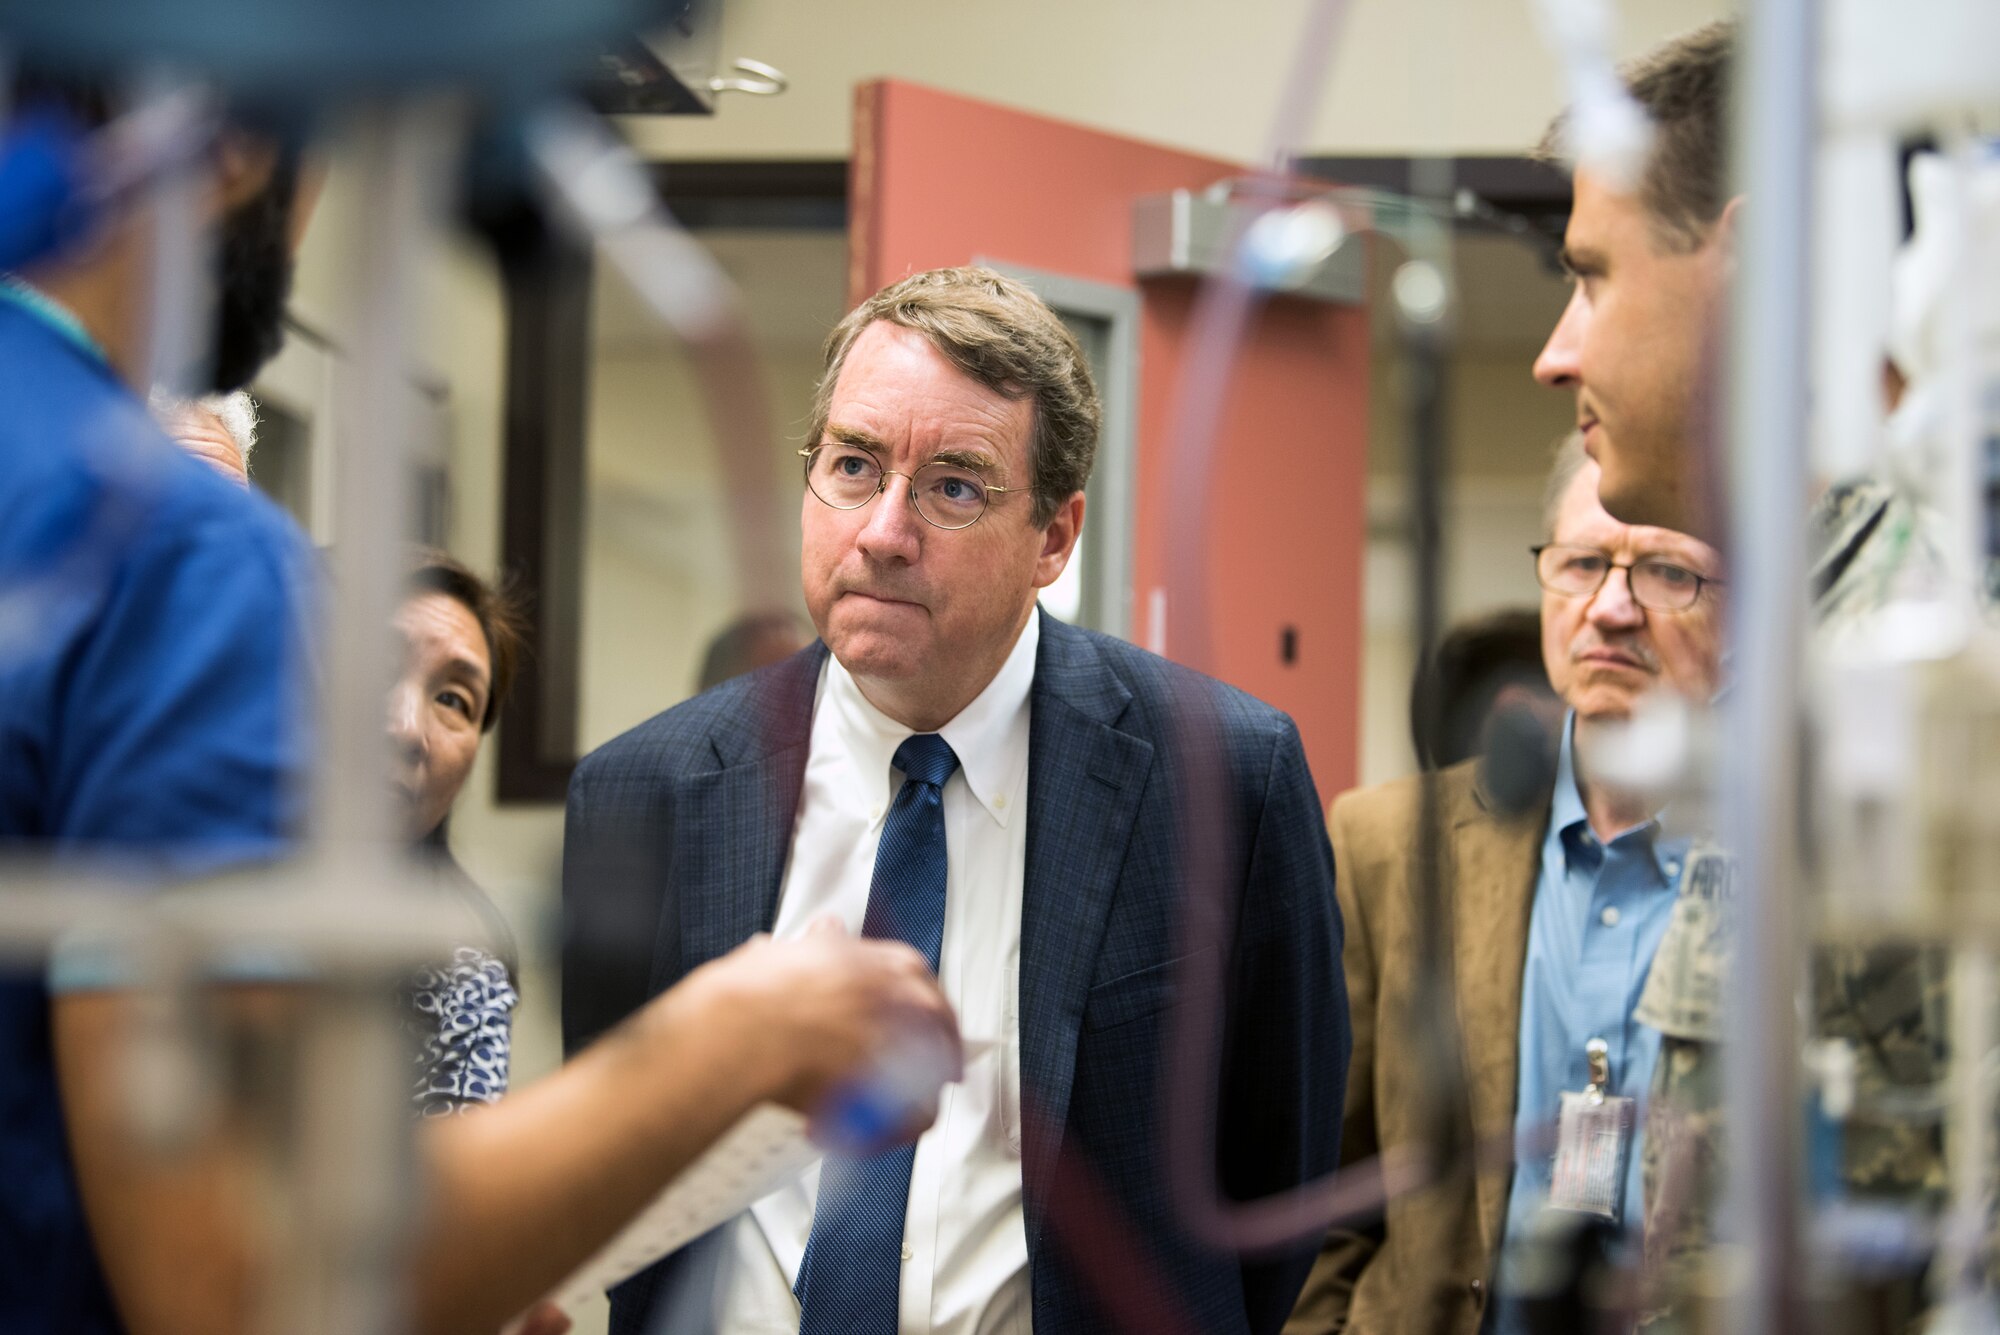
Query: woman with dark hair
461, 638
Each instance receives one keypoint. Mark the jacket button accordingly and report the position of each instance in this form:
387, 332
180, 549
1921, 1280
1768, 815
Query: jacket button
1477, 1288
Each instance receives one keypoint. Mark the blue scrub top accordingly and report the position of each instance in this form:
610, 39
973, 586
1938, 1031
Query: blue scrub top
152, 713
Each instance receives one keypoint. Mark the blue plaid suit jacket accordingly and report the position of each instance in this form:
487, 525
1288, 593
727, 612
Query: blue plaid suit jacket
675, 851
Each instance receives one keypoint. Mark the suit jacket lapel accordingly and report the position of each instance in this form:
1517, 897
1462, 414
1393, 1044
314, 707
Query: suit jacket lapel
733, 825
1496, 862
1085, 778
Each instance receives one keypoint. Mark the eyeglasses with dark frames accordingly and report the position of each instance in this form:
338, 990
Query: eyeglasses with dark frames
945, 495
1578, 572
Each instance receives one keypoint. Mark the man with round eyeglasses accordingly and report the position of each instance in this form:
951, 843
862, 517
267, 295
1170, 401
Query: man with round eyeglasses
1011, 796
1580, 572
1558, 911
1626, 608
947, 495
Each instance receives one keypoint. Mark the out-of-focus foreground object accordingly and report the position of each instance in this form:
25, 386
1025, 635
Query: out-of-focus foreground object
322, 1106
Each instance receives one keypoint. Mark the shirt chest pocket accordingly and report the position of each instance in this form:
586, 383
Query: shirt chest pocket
1133, 996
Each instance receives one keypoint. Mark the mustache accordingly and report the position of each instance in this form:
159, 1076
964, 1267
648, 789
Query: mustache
1635, 648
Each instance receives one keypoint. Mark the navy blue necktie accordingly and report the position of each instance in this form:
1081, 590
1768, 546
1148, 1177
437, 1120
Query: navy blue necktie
852, 1272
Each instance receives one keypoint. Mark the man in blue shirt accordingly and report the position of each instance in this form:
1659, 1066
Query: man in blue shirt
1555, 917
149, 653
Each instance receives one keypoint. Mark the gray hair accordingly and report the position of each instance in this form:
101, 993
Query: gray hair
237, 412
1568, 462
1001, 334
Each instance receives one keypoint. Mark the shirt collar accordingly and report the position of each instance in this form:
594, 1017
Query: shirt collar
1566, 807
989, 736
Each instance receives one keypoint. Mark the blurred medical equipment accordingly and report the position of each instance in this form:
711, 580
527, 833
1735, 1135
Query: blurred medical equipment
1905, 813
410, 90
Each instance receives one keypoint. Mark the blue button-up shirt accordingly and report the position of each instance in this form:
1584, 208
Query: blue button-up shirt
1599, 912
152, 714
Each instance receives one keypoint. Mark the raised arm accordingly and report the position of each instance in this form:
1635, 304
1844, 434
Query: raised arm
519, 1193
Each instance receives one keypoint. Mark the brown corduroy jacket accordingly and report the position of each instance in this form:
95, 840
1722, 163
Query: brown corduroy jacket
1426, 1267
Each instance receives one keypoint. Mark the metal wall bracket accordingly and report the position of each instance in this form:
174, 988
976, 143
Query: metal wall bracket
1187, 232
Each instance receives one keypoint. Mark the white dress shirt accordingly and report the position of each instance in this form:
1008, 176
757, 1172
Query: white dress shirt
965, 1247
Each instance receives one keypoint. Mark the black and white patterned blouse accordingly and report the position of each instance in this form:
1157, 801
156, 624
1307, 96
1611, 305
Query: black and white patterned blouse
463, 1011
464, 1019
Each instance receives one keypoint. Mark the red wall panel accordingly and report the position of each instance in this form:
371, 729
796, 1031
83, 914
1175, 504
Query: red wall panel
939, 179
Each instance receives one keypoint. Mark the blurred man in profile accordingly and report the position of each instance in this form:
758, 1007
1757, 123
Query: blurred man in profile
1639, 347
1559, 904
1639, 341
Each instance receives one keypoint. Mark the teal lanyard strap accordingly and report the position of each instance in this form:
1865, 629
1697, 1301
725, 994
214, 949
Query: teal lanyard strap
49, 311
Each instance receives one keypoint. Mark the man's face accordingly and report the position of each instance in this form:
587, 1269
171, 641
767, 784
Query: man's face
1633, 343
436, 707
1603, 651
922, 616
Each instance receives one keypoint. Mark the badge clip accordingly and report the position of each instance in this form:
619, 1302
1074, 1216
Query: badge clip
1593, 1141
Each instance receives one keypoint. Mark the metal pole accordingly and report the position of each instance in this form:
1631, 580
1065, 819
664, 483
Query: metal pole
1971, 1139
182, 263
1775, 92
1424, 299
353, 1161
373, 511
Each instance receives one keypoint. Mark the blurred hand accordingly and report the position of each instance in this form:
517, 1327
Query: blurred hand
828, 1011
541, 1319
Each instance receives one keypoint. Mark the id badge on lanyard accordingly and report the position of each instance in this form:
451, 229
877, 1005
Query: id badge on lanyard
1593, 1142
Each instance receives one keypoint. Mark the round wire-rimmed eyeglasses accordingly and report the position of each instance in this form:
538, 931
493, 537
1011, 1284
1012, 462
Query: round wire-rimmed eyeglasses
944, 495
1578, 572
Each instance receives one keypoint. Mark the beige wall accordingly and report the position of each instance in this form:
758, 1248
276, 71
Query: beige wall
660, 569
1503, 428
1461, 76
